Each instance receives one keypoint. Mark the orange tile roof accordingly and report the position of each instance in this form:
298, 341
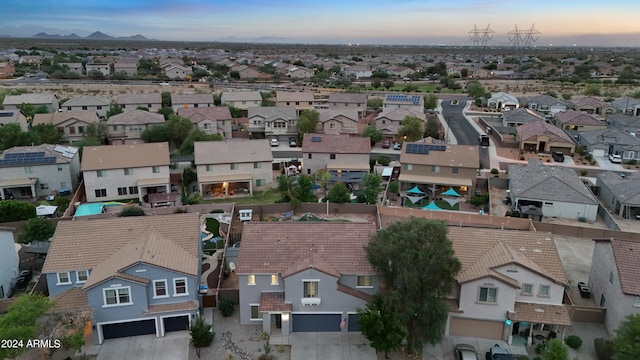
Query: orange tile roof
625, 254
540, 314
125, 156
273, 301
71, 300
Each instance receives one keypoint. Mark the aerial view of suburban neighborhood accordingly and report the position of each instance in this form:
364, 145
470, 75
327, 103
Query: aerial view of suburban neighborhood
300, 201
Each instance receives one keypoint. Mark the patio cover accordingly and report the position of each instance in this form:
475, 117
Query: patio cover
45, 210
415, 199
431, 206
223, 178
347, 166
153, 181
18, 182
415, 190
451, 192
388, 171
540, 314
450, 181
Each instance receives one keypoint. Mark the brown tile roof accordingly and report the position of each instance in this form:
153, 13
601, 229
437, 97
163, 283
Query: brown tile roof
273, 302
311, 261
326, 115
572, 117
339, 245
210, 113
625, 253
231, 151
125, 156
465, 156
533, 129
303, 96
339, 144
141, 117
353, 98
240, 96
179, 99
398, 114
88, 243
71, 300
162, 308
589, 101
540, 314
88, 117
354, 292
135, 99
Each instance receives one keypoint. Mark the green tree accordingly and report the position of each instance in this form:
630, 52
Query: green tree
380, 327
625, 342
14, 210
375, 103
44, 134
384, 159
19, 323
432, 129
201, 334
322, 178
555, 350
166, 112
373, 133
235, 112
11, 135
197, 135
464, 72
157, 133
114, 109
414, 297
166, 99
307, 122
388, 84
98, 130
36, 228
475, 89
412, 128
371, 189
376, 83
592, 90
131, 211
430, 101
339, 194
296, 189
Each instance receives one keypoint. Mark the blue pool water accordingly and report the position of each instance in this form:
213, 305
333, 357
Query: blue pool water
89, 209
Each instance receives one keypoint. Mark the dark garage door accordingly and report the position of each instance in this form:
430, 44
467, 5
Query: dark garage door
176, 323
316, 322
353, 322
133, 328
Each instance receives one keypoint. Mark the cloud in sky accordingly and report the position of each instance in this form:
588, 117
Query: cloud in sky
351, 21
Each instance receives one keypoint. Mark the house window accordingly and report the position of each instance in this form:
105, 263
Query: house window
233, 166
543, 291
611, 277
527, 289
128, 171
207, 126
257, 165
208, 168
101, 193
81, 276
44, 186
274, 279
117, 296
332, 156
59, 167
180, 287
259, 182
101, 173
64, 278
487, 294
81, 129
311, 289
408, 167
28, 170
160, 289
116, 127
72, 130
255, 314
251, 280
365, 281
548, 204
68, 108
435, 169
309, 156
63, 184
635, 304
602, 300
155, 169
85, 108
1, 291
332, 125
99, 107
308, 171
122, 190
133, 190
455, 170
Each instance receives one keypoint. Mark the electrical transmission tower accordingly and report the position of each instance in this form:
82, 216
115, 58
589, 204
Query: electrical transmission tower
521, 40
480, 38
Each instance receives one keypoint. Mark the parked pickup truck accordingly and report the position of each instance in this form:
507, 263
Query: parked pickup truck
557, 156
499, 353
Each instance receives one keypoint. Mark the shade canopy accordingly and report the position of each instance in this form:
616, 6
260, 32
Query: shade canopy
415, 190
431, 206
451, 192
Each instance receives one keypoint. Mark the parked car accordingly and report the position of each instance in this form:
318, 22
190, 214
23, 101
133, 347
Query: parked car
496, 352
273, 142
397, 146
466, 352
557, 156
615, 158
292, 142
484, 139
386, 143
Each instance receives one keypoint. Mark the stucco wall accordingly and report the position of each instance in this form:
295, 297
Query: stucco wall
9, 269
115, 178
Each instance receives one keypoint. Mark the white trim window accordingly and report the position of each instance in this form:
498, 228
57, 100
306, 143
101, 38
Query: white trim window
488, 295
543, 291
255, 313
365, 281
82, 276
64, 278
310, 288
251, 280
117, 296
160, 289
274, 279
180, 287
527, 289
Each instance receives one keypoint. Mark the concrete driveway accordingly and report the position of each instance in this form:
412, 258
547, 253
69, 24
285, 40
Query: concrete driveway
175, 345
330, 346
444, 349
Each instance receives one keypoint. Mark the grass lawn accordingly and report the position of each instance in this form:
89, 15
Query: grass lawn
258, 198
213, 226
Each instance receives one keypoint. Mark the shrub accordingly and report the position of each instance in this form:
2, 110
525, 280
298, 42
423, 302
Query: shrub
573, 341
226, 307
495, 171
131, 211
604, 348
384, 159
478, 200
14, 210
583, 172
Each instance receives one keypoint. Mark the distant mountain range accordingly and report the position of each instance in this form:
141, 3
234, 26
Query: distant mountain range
94, 36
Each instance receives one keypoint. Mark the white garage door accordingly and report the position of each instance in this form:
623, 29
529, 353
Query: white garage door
598, 152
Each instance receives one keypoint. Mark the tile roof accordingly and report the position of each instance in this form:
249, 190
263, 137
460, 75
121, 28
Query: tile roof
354, 292
626, 189
231, 151
273, 302
305, 96
545, 100
136, 117
353, 98
209, 113
531, 130
589, 101
179, 99
573, 117
228, 96
610, 136
85, 116
335, 246
142, 99
540, 314
60, 152
163, 308
326, 114
398, 114
552, 183
465, 156
125, 156
86, 100
522, 115
86, 244
624, 120
271, 113
333, 143
71, 300
625, 254
34, 99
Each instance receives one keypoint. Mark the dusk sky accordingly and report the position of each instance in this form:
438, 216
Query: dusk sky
327, 21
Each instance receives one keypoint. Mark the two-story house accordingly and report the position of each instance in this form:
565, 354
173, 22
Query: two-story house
613, 279
185, 101
620, 194
300, 100
14, 117
403, 101
177, 71
357, 71
137, 276
9, 262
7, 69
242, 100
99, 68
344, 157
122, 172
129, 102
389, 121
433, 167
275, 122
235, 167
130, 68
577, 120
76, 68
127, 127
72, 124
306, 285
48, 100
343, 121
87, 103
211, 120
340, 101
39, 170
627, 105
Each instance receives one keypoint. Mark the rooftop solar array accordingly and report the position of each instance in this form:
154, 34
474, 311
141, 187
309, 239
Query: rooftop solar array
30, 158
6, 114
414, 99
424, 148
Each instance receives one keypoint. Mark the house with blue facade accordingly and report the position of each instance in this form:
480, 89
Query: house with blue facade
304, 276
140, 275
